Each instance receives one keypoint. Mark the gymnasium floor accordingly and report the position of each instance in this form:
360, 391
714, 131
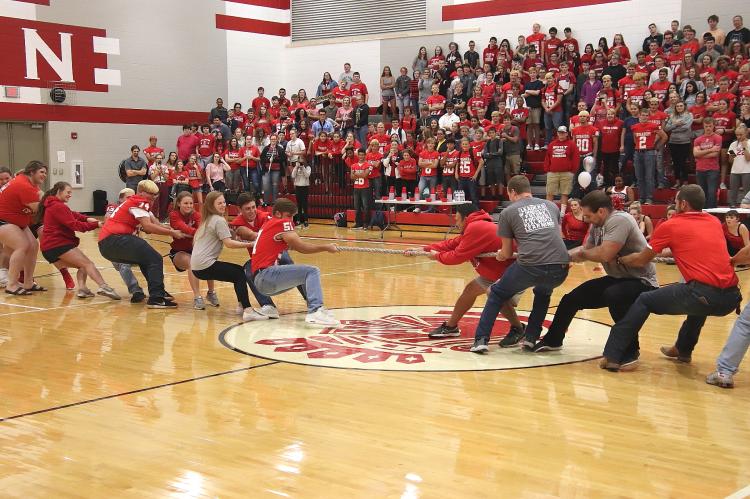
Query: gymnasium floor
109, 399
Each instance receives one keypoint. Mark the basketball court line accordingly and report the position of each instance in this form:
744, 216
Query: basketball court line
22, 306
132, 392
740, 494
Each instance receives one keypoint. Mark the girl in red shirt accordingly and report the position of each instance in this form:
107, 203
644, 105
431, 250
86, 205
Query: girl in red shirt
467, 173
428, 164
319, 149
407, 170
195, 178
19, 200
184, 218
574, 228
59, 243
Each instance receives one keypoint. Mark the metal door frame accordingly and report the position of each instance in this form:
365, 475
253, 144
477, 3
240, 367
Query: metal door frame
45, 141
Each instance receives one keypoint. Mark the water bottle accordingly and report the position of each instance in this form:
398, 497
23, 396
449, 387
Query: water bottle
432, 194
391, 193
416, 194
449, 196
404, 194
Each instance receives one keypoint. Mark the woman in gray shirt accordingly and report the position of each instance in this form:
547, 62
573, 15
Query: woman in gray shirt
679, 127
212, 235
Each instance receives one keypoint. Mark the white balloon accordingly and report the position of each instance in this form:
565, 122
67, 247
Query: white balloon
584, 179
588, 163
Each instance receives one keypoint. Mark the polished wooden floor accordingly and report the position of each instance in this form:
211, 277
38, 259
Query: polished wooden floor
109, 399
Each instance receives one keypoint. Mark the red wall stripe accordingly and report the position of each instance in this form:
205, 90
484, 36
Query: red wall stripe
233, 23
84, 114
274, 4
503, 7
38, 2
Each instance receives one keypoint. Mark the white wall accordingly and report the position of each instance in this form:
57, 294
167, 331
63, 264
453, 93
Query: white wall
696, 12
101, 147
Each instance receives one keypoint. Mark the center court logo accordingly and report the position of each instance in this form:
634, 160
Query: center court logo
395, 338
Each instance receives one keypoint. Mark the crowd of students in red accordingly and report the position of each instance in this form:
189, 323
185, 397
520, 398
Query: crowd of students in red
467, 121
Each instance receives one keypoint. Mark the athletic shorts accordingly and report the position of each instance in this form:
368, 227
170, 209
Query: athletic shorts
486, 283
54, 254
535, 115
513, 164
559, 183
172, 254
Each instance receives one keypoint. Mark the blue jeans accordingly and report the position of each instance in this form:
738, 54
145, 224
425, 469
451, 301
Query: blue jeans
263, 300
277, 279
644, 163
361, 133
517, 278
737, 344
709, 182
694, 299
126, 272
426, 182
552, 122
661, 177
271, 186
469, 187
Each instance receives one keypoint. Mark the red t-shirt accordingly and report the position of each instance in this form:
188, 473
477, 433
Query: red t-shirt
186, 145
659, 88
475, 105
550, 46
584, 138
153, 150
572, 228
374, 159
435, 99
269, 246
705, 142
536, 40
236, 154
429, 155
691, 236
408, 169
466, 164
249, 151
260, 101
562, 156
358, 90
360, 183
727, 122
194, 176
124, 220
657, 118
644, 135
610, 133
14, 198
206, 144
520, 115
636, 95
187, 224
451, 157
551, 94
489, 55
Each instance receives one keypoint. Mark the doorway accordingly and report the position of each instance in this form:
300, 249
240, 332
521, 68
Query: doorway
21, 142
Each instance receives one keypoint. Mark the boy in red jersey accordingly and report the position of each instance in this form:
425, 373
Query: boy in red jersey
706, 149
448, 161
560, 164
647, 137
260, 100
117, 242
478, 235
469, 169
360, 173
271, 279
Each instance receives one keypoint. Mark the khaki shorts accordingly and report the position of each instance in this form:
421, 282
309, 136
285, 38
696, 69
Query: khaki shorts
486, 283
513, 164
535, 116
559, 183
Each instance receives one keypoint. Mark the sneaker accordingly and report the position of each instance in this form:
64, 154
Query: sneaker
480, 346
357, 227
250, 314
543, 347
513, 338
160, 302
269, 311
527, 345
212, 298
609, 365
629, 365
322, 318
674, 354
723, 186
649, 201
720, 379
137, 297
107, 291
69, 282
85, 293
239, 310
536, 147
445, 331
168, 297
529, 147
198, 303
544, 146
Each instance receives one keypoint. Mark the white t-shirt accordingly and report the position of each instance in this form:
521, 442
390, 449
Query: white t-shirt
294, 149
740, 164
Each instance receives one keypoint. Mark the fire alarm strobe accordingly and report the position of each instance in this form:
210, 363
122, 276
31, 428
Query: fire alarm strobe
57, 95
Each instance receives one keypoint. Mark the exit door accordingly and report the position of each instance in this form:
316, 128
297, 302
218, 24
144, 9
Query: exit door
22, 142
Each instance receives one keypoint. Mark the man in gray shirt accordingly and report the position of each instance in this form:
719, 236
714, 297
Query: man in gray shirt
542, 263
613, 234
135, 168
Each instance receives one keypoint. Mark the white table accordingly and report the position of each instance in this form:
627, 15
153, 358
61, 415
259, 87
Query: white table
396, 202
722, 211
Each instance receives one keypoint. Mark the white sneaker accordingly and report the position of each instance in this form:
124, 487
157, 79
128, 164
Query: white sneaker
723, 186
536, 147
322, 318
249, 314
3, 278
529, 147
107, 291
239, 310
270, 311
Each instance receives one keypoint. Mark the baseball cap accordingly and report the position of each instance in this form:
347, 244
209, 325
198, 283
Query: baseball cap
562, 129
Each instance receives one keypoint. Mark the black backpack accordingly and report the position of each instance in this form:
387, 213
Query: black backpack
378, 219
122, 171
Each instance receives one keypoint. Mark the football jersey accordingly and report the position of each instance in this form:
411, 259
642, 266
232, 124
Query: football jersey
451, 157
583, 135
360, 183
269, 245
644, 135
124, 218
466, 164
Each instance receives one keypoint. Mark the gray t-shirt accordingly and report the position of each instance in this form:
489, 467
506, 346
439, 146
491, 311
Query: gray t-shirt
208, 243
621, 228
535, 225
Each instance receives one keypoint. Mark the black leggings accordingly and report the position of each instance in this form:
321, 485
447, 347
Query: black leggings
132, 250
301, 192
680, 154
227, 272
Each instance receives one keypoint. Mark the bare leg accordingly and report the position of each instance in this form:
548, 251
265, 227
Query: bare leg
77, 259
182, 262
